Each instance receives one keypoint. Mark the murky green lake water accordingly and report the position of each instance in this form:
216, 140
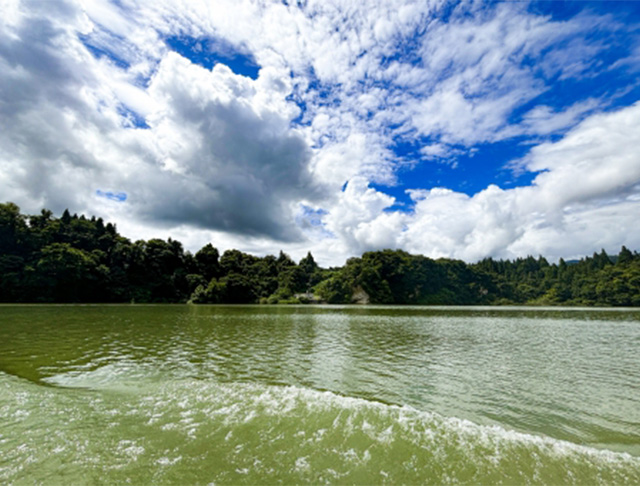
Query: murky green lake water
340, 395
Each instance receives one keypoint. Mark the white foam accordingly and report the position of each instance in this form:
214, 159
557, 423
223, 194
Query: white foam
260, 429
302, 464
130, 448
165, 461
423, 426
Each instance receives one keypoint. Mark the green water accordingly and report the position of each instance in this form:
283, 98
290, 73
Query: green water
340, 395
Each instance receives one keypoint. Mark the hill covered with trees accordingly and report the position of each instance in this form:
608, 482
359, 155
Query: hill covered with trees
78, 259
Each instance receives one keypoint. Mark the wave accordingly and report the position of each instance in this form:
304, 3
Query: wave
195, 431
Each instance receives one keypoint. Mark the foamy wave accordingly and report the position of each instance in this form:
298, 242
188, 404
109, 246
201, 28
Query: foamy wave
207, 431
370, 433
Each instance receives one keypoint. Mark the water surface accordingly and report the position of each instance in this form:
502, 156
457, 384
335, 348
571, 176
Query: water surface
246, 394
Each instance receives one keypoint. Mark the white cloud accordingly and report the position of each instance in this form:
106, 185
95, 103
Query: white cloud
543, 120
219, 153
596, 161
358, 218
226, 157
476, 75
588, 197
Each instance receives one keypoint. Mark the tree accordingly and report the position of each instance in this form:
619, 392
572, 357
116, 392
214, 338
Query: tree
625, 256
66, 274
13, 228
78, 259
334, 290
284, 261
237, 289
310, 271
308, 264
234, 261
66, 217
207, 260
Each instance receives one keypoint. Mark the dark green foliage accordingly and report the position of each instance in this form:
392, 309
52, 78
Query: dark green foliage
396, 277
284, 262
13, 229
207, 260
237, 289
312, 274
334, 290
625, 256
75, 259
67, 274
234, 261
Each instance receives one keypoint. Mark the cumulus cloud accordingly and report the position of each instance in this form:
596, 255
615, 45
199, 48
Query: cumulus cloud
586, 197
94, 103
229, 159
380, 70
219, 152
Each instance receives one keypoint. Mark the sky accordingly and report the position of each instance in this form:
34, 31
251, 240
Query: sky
450, 129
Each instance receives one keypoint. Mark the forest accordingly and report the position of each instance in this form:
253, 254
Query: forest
76, 259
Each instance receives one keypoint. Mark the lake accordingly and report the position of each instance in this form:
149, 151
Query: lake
177, 394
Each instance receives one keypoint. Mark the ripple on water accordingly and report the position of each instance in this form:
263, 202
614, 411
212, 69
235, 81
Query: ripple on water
185, 394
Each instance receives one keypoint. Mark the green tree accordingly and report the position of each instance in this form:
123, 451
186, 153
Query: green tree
66, 274
334, 290
207, 259
625, 256
13, 229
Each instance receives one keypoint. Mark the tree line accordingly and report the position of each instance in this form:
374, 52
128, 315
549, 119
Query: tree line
78, 259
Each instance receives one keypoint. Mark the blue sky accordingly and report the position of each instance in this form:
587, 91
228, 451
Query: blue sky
451, 129
471, 169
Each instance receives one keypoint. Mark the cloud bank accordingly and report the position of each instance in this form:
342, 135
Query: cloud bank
325, 148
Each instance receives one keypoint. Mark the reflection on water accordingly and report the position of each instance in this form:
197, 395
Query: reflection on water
568, 374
